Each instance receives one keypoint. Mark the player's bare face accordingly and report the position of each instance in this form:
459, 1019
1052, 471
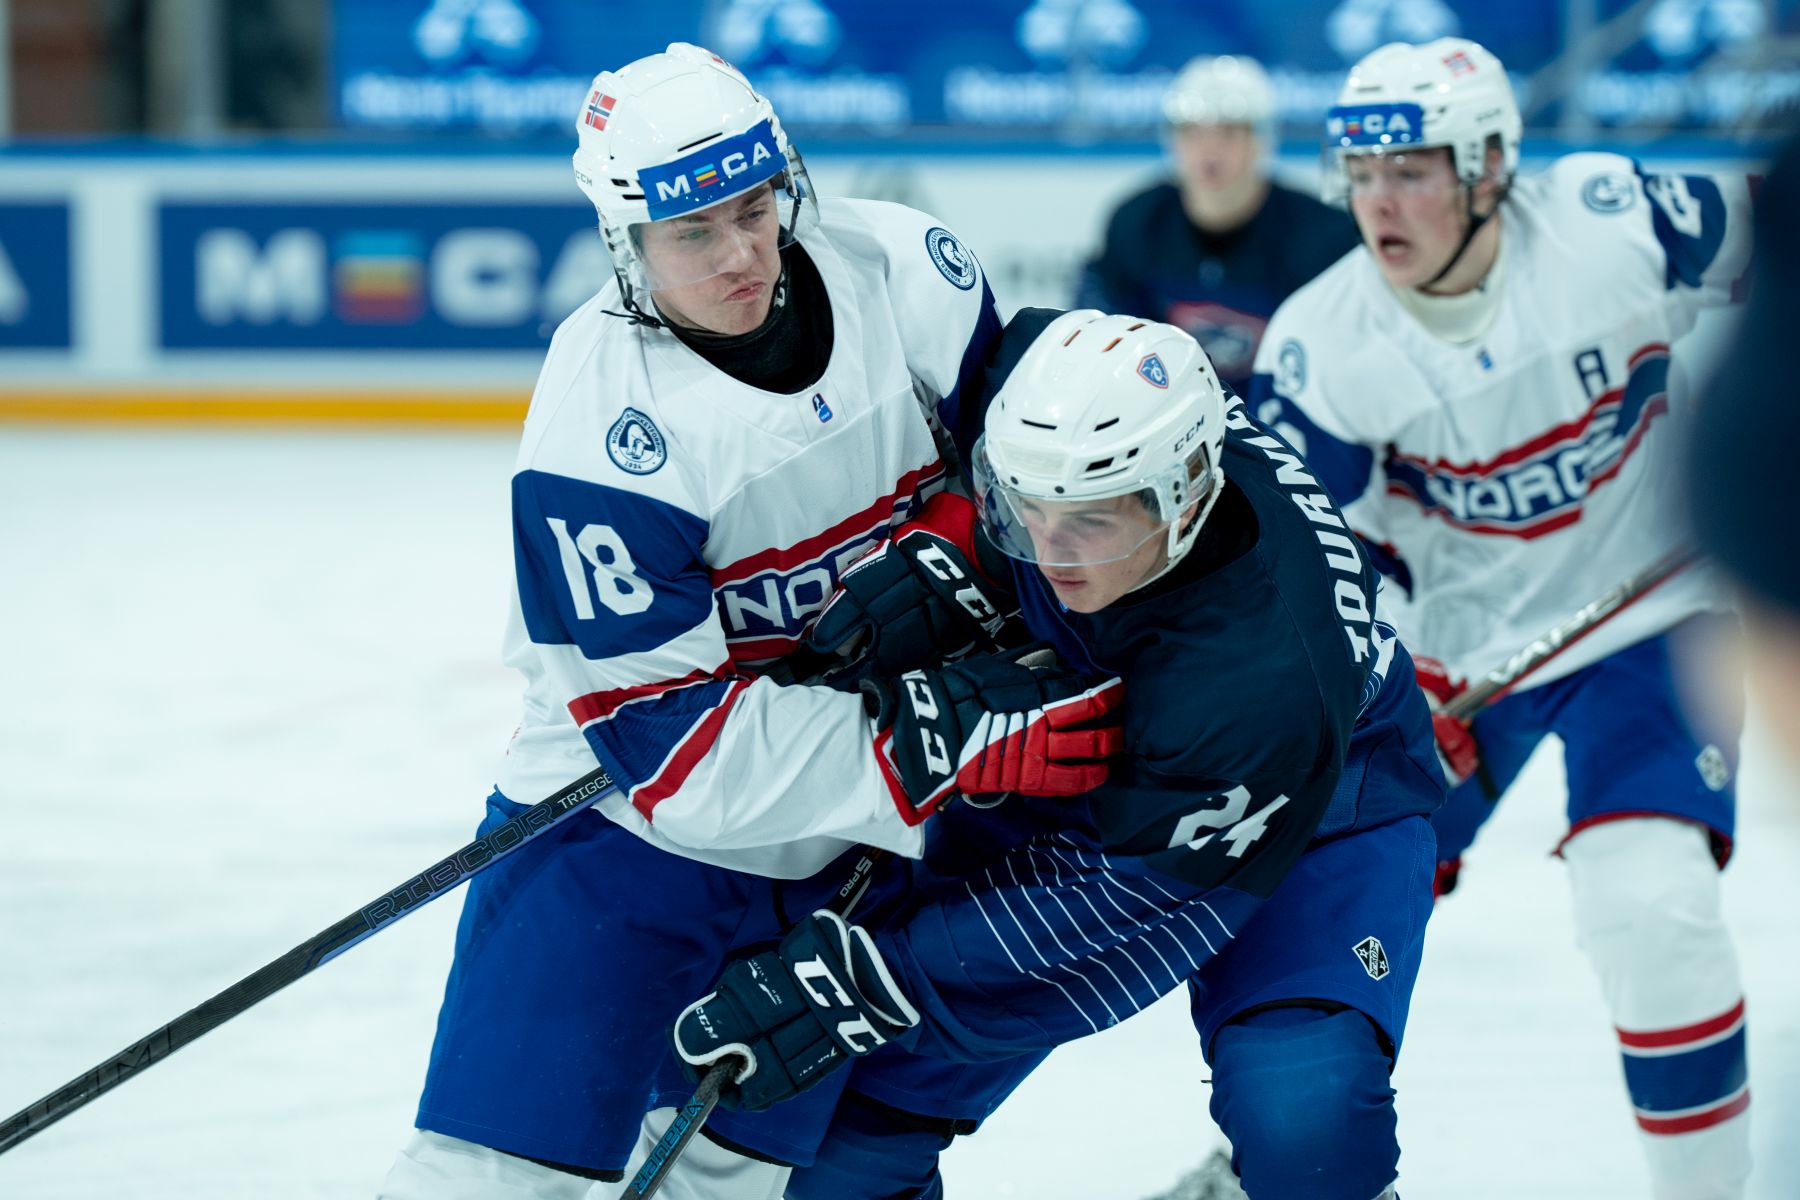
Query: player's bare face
1215, 157
726, 259
1116, 535
1411, 210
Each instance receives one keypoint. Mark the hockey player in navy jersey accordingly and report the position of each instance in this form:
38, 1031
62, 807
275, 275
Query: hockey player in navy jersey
1261, 837
1487, 390
745, 410
1217, 248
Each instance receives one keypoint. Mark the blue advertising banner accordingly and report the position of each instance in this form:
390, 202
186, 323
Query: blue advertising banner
35, 294
1065, 69
355, 276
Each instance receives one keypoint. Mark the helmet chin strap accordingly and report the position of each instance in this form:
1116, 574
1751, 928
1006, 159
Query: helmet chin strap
632, 313
1474, 227
637, 316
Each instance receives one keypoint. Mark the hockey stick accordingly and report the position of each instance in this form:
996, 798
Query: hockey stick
1509, 675
692, 1115
321, 948
307, 957
1464, 706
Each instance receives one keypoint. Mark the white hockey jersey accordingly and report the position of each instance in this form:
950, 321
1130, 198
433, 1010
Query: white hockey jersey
673, 526
1507, 481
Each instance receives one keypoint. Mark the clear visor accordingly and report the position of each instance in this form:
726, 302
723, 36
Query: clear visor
1072, 533
722, 239
1380, 172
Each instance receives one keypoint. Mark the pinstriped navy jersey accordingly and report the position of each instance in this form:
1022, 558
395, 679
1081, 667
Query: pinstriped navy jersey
674, 527
1262, 693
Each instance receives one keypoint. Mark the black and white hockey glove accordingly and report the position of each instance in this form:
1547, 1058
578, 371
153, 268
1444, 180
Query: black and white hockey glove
993, 723
796, 1013
919, 597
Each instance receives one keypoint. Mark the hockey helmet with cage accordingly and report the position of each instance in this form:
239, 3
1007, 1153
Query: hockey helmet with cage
672, 135
1100, 407
1451, 92
1223, 89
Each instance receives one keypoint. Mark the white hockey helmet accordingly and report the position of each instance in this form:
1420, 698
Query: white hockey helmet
671, 135
1099, 407
1451, 92
1226, 89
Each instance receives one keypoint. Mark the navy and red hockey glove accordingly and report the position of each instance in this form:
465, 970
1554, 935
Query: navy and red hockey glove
921, 596
794, 1014
991, 724
1457, 752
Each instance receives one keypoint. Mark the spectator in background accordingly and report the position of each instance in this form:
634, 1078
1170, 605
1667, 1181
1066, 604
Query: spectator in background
1217, 249
1741, 463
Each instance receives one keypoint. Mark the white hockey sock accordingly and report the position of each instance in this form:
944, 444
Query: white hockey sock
1646, 898
705, 1171
434, 1167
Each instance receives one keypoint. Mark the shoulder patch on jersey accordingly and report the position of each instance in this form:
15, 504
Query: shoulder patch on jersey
1715, 771
948, 255
635, 443
1609, 192
1154, 373
1290, 368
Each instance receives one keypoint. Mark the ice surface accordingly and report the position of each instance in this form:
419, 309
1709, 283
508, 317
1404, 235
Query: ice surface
250, 681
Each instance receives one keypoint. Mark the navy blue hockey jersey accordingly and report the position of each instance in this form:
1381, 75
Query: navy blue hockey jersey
1221, 288
1262, 690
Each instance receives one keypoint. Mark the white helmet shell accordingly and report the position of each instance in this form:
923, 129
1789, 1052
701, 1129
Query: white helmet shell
1450, 92
1102, 406
672, 134
1219, 90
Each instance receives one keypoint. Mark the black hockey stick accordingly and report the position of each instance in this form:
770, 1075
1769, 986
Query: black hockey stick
1597, 612
692, 1115
308, 956
316, 951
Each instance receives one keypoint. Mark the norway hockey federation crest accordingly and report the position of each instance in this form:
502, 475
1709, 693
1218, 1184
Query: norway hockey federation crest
1373, 958
948, 255
635, 443
1152, 369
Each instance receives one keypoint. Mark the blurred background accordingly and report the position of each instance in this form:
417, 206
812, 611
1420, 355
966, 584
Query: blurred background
349, 209
248, 661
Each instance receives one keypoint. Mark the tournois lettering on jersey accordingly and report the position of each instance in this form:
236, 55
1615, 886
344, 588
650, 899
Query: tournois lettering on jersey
1353, 594
1538, 486
712, 174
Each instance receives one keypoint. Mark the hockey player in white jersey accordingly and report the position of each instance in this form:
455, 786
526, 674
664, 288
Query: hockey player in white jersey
749, 407
1485, 387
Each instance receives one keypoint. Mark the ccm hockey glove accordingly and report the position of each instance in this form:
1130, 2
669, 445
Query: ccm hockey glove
794, 1014
919, 597
993, 723
1457, 752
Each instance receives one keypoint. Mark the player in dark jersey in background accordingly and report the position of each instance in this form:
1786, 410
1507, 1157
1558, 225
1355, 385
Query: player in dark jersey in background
1218, 248
1261, 837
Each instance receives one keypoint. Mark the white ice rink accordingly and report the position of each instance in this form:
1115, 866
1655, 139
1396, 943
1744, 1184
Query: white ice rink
250, 681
